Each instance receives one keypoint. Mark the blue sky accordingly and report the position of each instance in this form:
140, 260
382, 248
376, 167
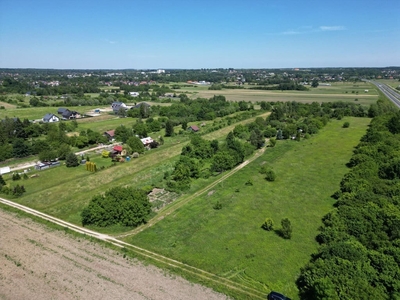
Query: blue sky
151, 34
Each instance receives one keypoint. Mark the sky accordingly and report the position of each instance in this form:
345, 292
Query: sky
176, 34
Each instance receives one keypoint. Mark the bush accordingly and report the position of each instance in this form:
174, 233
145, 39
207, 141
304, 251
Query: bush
16, 176
346, 125
217, 205
71, 160
270, 175
268, 224
286, 231
272, 142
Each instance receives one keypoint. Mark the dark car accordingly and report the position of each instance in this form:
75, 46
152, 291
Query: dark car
277, 296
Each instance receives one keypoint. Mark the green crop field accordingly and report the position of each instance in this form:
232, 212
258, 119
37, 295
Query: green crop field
230, 242
336, 92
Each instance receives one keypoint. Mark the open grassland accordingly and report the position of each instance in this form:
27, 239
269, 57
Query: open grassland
230, 242
64, 192
390, 82
343, 91
34, 113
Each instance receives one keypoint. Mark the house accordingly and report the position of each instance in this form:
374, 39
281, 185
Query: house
116, 106
68, 115
110, 135
50, 118
147, 141
61, 110
193, 128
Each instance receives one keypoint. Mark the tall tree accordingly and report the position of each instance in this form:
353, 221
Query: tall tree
169, 128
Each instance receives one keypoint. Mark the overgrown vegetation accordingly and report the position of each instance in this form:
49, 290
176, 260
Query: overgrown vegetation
359, 256
121, 206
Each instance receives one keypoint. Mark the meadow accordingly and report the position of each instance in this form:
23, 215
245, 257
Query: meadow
229, 242
344, 91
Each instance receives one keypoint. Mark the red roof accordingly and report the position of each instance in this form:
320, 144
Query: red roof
111, 133
118, 148
194, 128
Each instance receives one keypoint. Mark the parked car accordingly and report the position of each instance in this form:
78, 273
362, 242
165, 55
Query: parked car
277, 296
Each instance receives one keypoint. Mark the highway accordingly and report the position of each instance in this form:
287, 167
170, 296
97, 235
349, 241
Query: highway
388, 91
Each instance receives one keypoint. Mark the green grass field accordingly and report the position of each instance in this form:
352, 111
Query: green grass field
335, 92
391, 82
33, 113
230, 242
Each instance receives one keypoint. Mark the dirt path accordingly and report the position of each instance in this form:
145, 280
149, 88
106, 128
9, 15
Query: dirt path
40, 263
32, 164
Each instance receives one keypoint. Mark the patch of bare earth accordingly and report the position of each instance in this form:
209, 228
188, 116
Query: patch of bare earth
37, 262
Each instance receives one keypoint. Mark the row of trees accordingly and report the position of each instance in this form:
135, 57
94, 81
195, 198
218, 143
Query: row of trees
359, 256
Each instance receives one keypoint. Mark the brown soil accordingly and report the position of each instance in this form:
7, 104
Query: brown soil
37, 262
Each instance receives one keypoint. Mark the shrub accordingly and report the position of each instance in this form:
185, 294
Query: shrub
71, 160
217, 205
272, 142
286, 231
16, 176
270, 175
268, 224
346, 125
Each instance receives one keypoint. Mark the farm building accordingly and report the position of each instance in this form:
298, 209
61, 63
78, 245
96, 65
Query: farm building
110, 135
193, 128
147, 141
46, 165
116, 106
50, 118
61, 110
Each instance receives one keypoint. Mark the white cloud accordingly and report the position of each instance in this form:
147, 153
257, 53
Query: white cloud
331, 28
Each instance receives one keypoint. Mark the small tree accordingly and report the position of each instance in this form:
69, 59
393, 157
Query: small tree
18, 190
169, 128
272, 142
314, 83
16, 176
2, 182
286, 230
346, 125
270, 175
135, 144
71, 160
268, 224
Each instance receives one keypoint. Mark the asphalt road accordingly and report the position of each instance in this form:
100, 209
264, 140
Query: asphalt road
388, 91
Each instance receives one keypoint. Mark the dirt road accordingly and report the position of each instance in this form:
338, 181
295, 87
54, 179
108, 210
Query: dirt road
40, 263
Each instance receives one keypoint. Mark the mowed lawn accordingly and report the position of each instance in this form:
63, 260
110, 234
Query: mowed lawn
230, 242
